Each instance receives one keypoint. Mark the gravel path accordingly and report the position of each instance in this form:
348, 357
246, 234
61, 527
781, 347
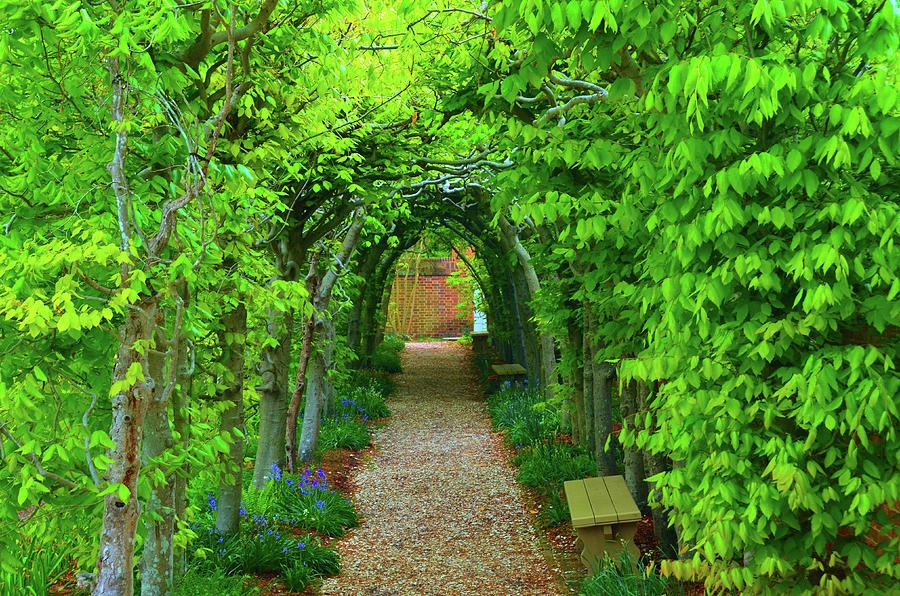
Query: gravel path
441, 510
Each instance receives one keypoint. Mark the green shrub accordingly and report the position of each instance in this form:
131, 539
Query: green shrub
627, 577
386, 360
368, 379
393, 342
346, 432
548, 465
213, 582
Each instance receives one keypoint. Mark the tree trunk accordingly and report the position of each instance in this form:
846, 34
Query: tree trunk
182, 426
578, 383
272, 398
367, 269
312, 414
327, 353
606, 455
633, 458
373, 300
229, 500
381, 314
157, 559
290, 441
588, 368
321, 298
655, 463
115, 565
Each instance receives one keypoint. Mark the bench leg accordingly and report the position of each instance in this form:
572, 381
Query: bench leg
606, 540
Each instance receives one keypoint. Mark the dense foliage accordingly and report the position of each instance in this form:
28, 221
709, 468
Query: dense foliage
684, 216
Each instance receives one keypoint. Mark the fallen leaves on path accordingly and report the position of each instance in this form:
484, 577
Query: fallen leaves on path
441, 510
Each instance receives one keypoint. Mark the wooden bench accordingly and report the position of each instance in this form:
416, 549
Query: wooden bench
479, 342
507, 372
604, 515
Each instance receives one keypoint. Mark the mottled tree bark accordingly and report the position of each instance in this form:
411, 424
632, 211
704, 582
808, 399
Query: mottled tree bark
182, 427
129, 406
312, 413
234, 326
367, 269
383, 305
273, 397
157, 559
548, 345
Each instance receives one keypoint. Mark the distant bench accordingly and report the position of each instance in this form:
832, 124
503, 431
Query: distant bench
508, 372
604, 515
479, 342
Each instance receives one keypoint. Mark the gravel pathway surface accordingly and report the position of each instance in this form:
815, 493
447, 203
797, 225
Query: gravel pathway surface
441, 510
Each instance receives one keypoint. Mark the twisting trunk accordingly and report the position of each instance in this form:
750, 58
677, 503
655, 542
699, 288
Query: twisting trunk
309, 436
548, 346
232, 421
633, 458
290, 442
272, 397
157, 558
120, 515
606, 455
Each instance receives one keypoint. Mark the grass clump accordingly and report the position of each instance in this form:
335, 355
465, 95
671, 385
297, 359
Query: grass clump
213, 582
627, 577
551, 464
42, 564
303, 500
523, 414
298, 576
344, 432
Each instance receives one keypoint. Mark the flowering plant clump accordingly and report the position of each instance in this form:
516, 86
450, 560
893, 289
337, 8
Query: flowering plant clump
303, 500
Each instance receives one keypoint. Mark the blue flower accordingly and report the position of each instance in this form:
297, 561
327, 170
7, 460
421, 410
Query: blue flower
211, 501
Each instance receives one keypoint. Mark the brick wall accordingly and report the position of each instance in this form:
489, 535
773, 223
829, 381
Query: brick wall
427, 306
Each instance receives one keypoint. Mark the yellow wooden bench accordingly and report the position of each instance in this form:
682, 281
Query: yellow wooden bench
604, 516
